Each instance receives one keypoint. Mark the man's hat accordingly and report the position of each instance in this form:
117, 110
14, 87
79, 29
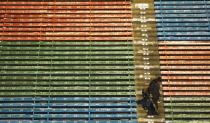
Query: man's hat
159, 79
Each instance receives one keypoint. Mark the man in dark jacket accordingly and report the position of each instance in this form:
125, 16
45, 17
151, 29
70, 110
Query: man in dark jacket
150, 97
154, 90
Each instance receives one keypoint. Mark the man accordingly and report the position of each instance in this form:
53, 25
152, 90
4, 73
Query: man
150, 97
154, 91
